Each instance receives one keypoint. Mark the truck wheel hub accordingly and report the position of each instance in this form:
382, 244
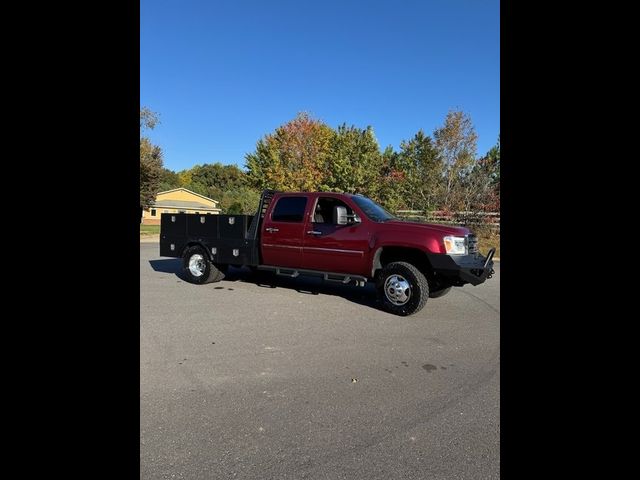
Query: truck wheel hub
397, 289
197, 265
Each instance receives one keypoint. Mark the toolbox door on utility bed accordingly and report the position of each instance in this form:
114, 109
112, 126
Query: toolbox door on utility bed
283, 230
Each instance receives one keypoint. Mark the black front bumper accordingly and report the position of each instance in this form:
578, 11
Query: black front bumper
462, 269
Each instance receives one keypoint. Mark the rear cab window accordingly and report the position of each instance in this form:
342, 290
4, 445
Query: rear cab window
289, 209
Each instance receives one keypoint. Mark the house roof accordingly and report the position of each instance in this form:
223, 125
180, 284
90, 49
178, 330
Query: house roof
182, 204
187, 190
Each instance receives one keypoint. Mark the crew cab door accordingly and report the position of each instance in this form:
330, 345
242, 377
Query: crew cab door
282, 231
331, 247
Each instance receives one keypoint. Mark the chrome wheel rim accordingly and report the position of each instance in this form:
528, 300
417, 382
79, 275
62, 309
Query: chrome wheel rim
197, 265
397, 289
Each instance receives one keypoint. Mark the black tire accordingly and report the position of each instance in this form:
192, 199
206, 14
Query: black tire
209, 272
439, 293
418, 288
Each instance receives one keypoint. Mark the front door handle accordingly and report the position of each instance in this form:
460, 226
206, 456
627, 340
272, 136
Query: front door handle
314, 232
272, 229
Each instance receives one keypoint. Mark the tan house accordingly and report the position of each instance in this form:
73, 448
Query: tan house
179, 200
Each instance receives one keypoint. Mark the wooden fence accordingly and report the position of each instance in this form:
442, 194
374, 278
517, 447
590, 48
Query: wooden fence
490, 219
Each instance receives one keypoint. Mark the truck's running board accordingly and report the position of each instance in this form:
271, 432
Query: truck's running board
344, 278
285, 272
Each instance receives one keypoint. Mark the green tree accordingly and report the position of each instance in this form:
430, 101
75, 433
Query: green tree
456, 144
391, 183
168, 180
184, 177
200, 188
294, 157
150, 161
422, 167
217, 178
150, 171
355, 162
240, 200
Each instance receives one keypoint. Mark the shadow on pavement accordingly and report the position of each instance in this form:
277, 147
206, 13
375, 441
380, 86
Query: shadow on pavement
304, 285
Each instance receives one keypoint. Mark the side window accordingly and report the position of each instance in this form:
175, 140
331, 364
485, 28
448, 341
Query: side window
153, 212
325, 211
289, 209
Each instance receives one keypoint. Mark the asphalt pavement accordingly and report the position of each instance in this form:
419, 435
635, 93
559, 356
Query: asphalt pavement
276, 378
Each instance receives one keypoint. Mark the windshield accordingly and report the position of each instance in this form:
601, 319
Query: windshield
371, 209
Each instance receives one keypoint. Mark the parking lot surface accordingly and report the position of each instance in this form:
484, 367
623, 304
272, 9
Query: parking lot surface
278, 378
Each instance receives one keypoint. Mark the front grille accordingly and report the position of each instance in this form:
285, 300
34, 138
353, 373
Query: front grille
472, 244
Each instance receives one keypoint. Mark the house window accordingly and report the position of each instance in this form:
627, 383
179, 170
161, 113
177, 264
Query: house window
153, 212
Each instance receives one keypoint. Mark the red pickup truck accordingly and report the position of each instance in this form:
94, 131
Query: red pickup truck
340, 237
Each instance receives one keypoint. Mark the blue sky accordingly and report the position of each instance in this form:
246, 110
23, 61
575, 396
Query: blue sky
222, 74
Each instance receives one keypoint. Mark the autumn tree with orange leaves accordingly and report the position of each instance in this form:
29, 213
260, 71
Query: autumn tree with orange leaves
293, 158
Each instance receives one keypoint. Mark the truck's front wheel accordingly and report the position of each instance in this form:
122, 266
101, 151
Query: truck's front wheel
197, 267
402, 288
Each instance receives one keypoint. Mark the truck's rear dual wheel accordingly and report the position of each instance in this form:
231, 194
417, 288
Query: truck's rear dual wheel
197, 267
402, 288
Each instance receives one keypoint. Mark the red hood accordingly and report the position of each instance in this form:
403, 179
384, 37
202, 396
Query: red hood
445, 229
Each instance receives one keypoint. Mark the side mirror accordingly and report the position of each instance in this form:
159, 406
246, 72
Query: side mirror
340, 214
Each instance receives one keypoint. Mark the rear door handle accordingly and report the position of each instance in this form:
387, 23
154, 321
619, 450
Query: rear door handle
314, 232
272, 229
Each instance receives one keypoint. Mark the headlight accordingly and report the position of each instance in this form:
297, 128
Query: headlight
455, 245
